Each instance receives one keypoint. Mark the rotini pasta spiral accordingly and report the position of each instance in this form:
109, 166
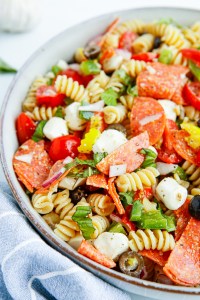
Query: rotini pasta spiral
184, 183
42, 203
196, 27
110, 40
137, 180
151, 239
71, 88
136, 26
62, 203
194, 192
193, 171
102, 79
42, 113
157, 29
82, 202
133, 67
144, 43
127, 101
51, 219
100, 224
115, 83
192, 113
177, 57
101, 204
148, 205
30, 100
174, 37
79, 55
192, 36
114, 114
94, 90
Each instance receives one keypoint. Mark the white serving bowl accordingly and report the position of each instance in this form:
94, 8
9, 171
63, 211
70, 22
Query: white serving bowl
62, 47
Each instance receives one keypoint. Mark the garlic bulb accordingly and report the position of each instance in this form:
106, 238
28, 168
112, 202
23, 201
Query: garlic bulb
19, 15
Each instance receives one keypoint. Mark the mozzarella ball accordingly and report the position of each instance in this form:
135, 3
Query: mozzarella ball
55, 128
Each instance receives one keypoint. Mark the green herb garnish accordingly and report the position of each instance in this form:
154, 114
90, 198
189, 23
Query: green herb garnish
165, 56
123, 76
56, 70
181, 173
83, 221
59, 112
6, 68
109, 97
38, 134
89, 67
126, 198
150, 157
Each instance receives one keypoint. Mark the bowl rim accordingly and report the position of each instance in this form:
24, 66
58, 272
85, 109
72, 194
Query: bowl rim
50, 238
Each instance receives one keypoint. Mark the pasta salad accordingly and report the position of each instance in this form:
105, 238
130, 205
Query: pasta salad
109, 150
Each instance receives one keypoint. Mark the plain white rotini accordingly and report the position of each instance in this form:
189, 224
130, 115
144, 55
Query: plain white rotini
137, 180
133, 67
127, 101
192, 113
174, 37
115, 83
100, 224
102, 79
30, 100
71, 88
136, 26
157, 29
184, 183
94, 90
42, 113
51, 219
148, 205
196, 27
101, 204
114, 114
79, 55
193, 171
151, 239
42, 203
62, 203
144, 43
192, 36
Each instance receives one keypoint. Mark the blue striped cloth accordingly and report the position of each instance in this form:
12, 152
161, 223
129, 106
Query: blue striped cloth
30, 269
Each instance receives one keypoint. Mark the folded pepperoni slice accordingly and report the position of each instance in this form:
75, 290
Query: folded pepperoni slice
183, 149
148, 115
126, 154
183, 265
113, 193
98, 180
157, 256
161, 81
32, 164
183, 218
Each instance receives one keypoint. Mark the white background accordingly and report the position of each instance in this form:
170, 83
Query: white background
57, 16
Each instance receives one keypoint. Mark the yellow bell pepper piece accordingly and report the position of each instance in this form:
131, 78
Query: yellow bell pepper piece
89, 140
194, 139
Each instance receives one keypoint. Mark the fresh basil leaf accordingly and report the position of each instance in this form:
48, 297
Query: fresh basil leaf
38, 134
59, 112
126, 198
56, 70
85, 115
6, 68
132, 90
150, 158
125, 78
89, 67
84, 222
98, 156
194, 69
109, 97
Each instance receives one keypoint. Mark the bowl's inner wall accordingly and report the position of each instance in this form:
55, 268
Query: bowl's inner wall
63, 47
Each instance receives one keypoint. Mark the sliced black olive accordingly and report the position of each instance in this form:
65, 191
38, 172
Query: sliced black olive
198, 123
131, 263
194, 207
77, 194
118, 127
157, 42
92, 51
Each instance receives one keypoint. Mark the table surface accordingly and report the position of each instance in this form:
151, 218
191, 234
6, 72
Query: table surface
57, 16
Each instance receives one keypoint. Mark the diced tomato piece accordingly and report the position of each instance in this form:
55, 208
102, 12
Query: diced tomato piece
108, 53
192, 54
70, 73
128, 224
47, 95
148, 115
141, 194
183, 149
147, 57
191, 94
126, 40
64, 146
25, 128
169, 156
89, 251
168, 134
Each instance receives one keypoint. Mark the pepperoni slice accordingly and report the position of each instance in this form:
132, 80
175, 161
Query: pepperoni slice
148, 115
126, 154
183, 149
183, 218
183, 264
113, 193
157, 256
32, 164
98, 180
161, 81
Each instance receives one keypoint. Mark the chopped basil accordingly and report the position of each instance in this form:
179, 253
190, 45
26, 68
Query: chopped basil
150, 157
85, 115
125, 78
59, 112
99, 156
165, 56
38, 134
56, 69
89, 67
84, 222
181, 173
109, 97
132, 90
126, 198
6, 68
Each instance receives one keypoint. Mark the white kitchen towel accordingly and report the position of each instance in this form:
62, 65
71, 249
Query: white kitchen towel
30, 269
